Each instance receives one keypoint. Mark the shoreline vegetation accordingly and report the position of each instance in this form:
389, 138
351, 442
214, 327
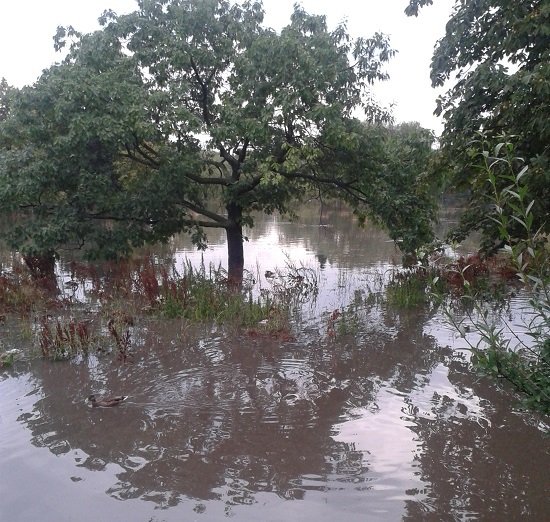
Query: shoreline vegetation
118, 294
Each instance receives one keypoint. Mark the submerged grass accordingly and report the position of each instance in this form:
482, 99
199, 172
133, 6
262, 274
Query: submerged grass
407, 289
487, 279
202, 295
61, 339
114, 296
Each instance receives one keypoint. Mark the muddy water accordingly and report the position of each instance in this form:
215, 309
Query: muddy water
384, 423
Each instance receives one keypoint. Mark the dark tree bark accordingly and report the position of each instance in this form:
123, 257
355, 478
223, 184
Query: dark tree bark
235, 249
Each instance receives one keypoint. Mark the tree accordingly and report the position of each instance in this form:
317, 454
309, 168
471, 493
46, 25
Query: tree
5, 92
414, 6
187, 115
405, 184
498, 53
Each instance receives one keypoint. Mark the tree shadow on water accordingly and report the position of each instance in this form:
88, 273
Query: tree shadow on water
219, 416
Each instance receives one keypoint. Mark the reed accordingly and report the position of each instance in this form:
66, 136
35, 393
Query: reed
62, 339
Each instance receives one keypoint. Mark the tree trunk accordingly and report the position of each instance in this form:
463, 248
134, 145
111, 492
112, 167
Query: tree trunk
235, 249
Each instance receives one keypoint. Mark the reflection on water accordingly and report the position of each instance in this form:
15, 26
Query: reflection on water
385, 423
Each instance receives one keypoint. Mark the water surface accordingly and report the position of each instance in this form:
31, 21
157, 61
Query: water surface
386, 422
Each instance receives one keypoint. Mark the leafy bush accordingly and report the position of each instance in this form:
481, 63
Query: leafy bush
500, 351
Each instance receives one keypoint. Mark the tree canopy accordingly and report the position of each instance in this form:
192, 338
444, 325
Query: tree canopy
497, 53
415, 5
190, 114
5, 91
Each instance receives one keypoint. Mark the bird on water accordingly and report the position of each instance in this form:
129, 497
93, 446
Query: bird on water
107, 402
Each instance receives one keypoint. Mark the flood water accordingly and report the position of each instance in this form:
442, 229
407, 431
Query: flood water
385, 422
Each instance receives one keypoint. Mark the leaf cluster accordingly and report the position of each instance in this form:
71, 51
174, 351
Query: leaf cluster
497, 53
414, 6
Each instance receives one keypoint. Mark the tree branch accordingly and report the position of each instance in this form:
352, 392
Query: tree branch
242, 154
249, 186
207, 213
203, 101
230, 159
146, 162
347, 186
224, 182
202, 224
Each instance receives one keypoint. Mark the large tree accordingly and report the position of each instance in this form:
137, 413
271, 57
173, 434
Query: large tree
189, 114
496, 56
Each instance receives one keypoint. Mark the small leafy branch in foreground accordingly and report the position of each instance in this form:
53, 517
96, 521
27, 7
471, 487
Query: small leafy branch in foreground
500, 351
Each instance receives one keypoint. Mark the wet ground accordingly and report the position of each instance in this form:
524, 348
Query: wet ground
385, 422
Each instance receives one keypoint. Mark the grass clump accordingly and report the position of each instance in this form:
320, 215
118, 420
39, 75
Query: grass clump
435, 278
408, 289
201, 295
62, 339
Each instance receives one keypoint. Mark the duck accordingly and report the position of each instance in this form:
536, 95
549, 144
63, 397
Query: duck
107, 402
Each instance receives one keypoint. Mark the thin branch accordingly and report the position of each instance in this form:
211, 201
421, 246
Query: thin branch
348, 185
130, 155
202, 224
102, 216
153, 162
220, 166
149, 148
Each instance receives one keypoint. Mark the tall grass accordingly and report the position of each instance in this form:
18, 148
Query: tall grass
117, 295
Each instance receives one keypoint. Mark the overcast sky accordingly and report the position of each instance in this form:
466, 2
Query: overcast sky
27, 28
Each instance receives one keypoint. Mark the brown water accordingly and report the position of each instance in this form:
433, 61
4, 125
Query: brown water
385, 423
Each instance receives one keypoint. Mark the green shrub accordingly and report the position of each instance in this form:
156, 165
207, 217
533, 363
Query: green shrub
500, 352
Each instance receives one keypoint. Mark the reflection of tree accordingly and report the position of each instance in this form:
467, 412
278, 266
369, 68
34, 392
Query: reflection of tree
227, 423
220, 416
328, 231
476, 465
244, 415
